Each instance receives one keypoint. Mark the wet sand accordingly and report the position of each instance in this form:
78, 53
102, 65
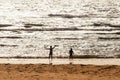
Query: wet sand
58, 72
58, 61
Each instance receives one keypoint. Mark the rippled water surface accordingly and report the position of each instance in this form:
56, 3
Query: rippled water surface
88, 26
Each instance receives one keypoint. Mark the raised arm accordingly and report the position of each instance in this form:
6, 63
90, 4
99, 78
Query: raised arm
46, 47
55, 46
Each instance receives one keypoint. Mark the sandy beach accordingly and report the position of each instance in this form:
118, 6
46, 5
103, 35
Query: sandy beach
30, 30
58, 72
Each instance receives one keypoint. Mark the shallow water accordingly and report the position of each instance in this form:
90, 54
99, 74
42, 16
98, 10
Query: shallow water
62, 61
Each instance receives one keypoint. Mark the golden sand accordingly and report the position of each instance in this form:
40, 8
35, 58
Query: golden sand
58, 72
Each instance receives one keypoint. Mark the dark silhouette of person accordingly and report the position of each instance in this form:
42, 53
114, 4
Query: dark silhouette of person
71, 53
51, 51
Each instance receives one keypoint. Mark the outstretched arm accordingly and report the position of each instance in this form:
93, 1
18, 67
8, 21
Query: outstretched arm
55, 46
46, 47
